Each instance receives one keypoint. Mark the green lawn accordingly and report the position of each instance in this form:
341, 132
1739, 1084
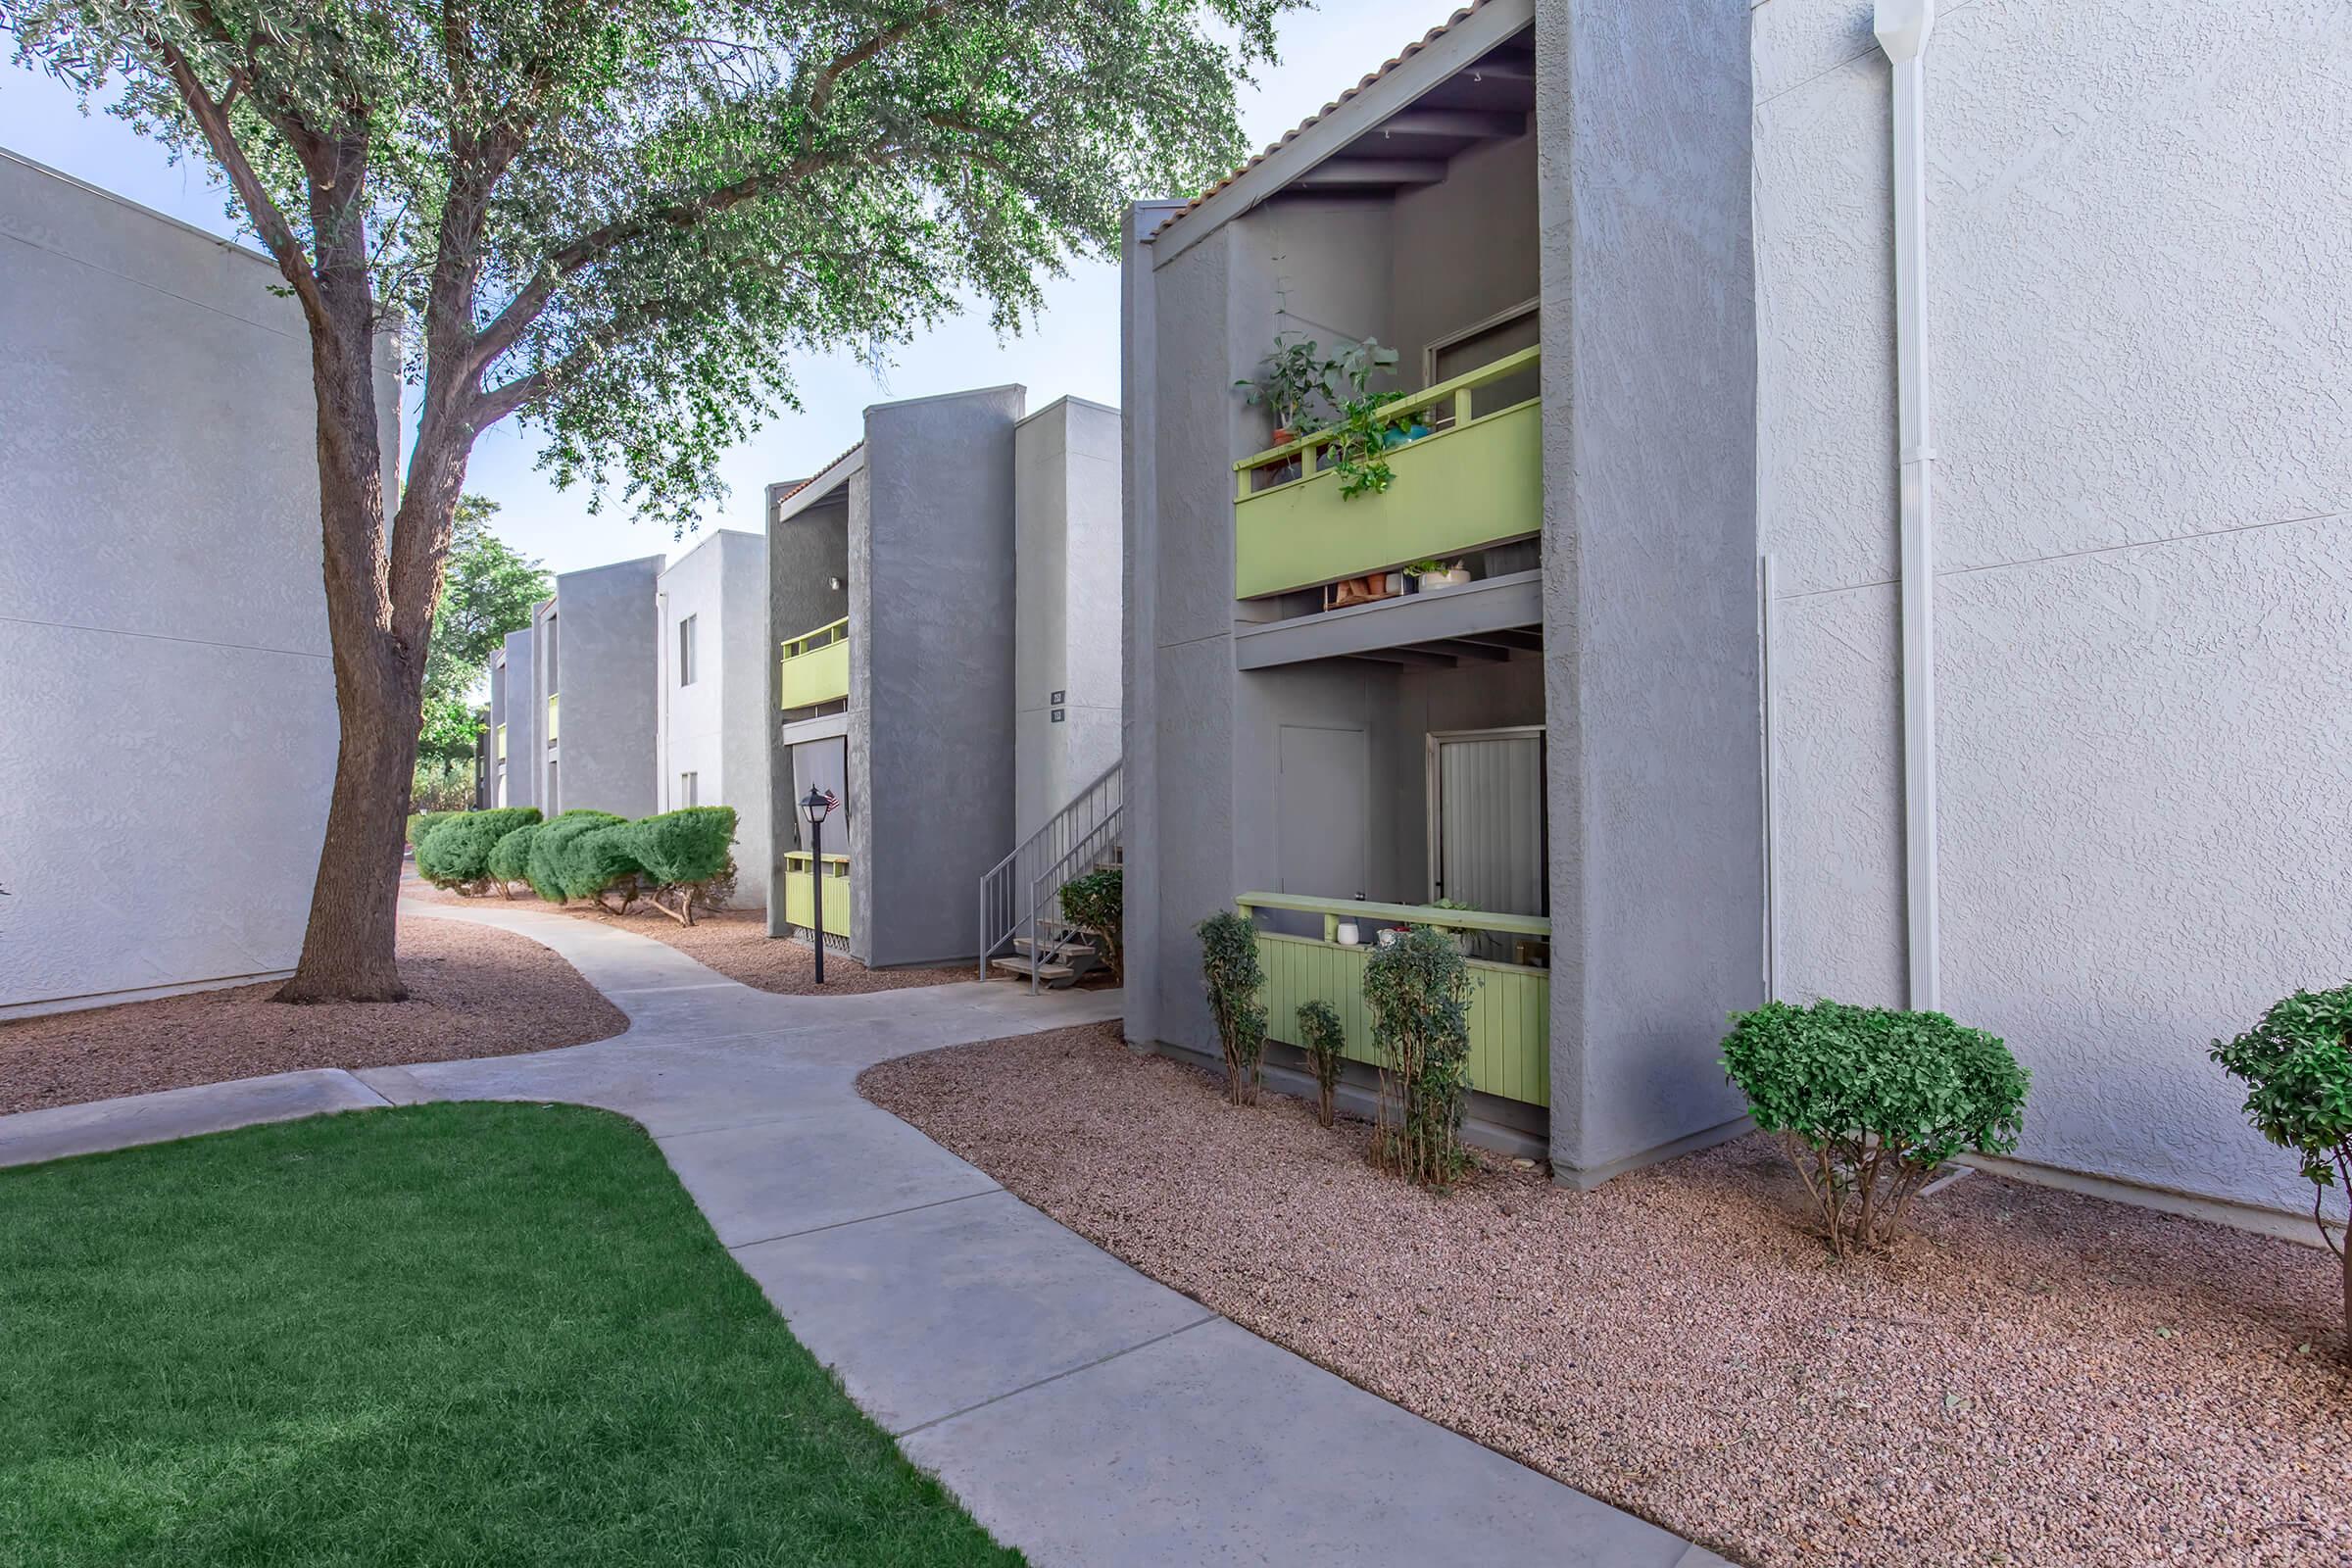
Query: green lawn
496, 1335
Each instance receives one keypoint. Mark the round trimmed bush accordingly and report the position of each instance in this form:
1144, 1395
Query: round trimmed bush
689, 855
551, 847
601, 861
510, 857
1869, 1101
422, 823
456, 853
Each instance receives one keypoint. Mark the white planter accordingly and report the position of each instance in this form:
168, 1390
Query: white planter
1350, 935
1438, 581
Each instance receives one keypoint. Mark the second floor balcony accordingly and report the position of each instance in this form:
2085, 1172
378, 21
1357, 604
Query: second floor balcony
815, 667
1466, 476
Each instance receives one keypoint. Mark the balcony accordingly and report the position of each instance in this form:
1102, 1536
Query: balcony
551, 719
801, 892
815, 667
1475, 481
1510, 1003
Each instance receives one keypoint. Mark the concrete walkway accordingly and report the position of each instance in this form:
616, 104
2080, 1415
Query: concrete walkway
1081, 1411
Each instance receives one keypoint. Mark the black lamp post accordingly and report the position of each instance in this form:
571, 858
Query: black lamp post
816, 806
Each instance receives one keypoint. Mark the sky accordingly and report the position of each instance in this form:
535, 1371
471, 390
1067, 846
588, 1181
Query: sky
1071, 349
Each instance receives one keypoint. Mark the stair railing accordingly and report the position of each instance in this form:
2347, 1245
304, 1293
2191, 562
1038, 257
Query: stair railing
1045, 890
1008, 897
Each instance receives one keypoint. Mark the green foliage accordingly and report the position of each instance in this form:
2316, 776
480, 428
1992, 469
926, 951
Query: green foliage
646, 210
487, 591
422, 823
1096, 903
457, 853
1324, 1039
1365, 433
511, 858
2297, 1064
603, 863
545, 863
1869, 1101
1417, 989
1295, 375
685, 855
1230, 966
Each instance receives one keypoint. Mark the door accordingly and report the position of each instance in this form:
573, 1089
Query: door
1323, 824
822, 765
1486, 824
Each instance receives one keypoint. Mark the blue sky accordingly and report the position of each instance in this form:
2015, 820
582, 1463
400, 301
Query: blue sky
1072, 348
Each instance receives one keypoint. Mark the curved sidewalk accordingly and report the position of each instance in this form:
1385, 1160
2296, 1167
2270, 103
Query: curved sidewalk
1081, 1411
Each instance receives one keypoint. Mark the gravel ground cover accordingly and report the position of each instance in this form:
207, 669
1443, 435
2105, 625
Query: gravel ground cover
473, 992
734, 942
2031, 1378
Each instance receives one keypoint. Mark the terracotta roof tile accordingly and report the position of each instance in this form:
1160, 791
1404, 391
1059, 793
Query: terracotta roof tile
1293, 134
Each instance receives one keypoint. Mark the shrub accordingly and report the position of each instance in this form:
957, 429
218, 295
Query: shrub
511, 858
1229, 964
456, 853
551, 847
1869, 1101
1325, 1040
685, 853
2297, 1063
601, 864
422, 823
1418, 991
1096, 903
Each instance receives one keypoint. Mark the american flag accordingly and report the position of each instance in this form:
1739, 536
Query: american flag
832, 802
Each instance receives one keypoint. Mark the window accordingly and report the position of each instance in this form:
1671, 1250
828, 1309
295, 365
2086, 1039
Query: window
686, 656
554, 682
549, 808
687, 791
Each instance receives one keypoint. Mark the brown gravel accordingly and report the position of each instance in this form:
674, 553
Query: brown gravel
2031, 1378
473, 992
734, 942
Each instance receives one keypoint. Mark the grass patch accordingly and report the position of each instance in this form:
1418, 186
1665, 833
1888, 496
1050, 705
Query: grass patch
447, 1334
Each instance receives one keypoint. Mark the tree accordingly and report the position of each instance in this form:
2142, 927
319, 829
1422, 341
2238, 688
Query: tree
619, 220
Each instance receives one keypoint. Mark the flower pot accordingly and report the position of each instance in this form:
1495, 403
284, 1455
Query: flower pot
1350, 934
1284, 435
1438, 581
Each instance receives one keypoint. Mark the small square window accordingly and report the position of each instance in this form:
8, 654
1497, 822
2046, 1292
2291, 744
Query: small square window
689, 789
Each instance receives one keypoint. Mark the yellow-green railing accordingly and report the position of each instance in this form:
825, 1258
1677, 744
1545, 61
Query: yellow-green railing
551, 719
815, 667
1475, 480
1510, 1003
801, 895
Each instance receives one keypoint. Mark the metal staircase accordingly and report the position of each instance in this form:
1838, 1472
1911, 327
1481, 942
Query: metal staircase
1020, 897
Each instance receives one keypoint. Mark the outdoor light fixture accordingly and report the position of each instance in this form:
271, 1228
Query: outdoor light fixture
816, 806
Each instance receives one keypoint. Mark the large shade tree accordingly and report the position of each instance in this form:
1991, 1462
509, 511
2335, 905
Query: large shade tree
619, 219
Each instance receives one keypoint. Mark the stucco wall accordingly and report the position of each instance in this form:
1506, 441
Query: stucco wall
931, 596
608, 681
1067, 623
166, 711
1465, 248
1649, 559
526, 763
2142, 405
716, 727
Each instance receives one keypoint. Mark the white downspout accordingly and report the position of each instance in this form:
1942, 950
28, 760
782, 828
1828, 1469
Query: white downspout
1902, 27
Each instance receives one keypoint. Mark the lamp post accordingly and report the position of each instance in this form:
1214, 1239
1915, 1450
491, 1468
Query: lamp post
816, 806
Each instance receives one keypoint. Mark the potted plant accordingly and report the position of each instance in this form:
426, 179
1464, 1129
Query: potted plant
1289, 380
1436, 574
1459, 933
1365, 432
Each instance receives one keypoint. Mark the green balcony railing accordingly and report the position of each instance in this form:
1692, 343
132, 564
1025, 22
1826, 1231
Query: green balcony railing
1475, 480
815, 667
801, 897
1510, 1003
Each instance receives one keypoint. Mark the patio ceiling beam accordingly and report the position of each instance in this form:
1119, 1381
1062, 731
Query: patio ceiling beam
1479, 124
1358, 173
1407, 656
1525, 641
1467, 648
1504, 65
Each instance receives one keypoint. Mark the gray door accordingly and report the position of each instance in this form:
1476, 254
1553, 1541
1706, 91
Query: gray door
1323, 826
1489, 822
825, 766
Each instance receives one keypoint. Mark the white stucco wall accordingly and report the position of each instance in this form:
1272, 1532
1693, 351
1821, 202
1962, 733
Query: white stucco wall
718, 726
1067, 591
166, 705
2142, 401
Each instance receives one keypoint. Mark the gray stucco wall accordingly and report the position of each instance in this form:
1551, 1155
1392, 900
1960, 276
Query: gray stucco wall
526, 763
931, 596
1067, 621
167, 713
607, 683
2142, 406
718, 726
1465, 248
1649, 550
806, 554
